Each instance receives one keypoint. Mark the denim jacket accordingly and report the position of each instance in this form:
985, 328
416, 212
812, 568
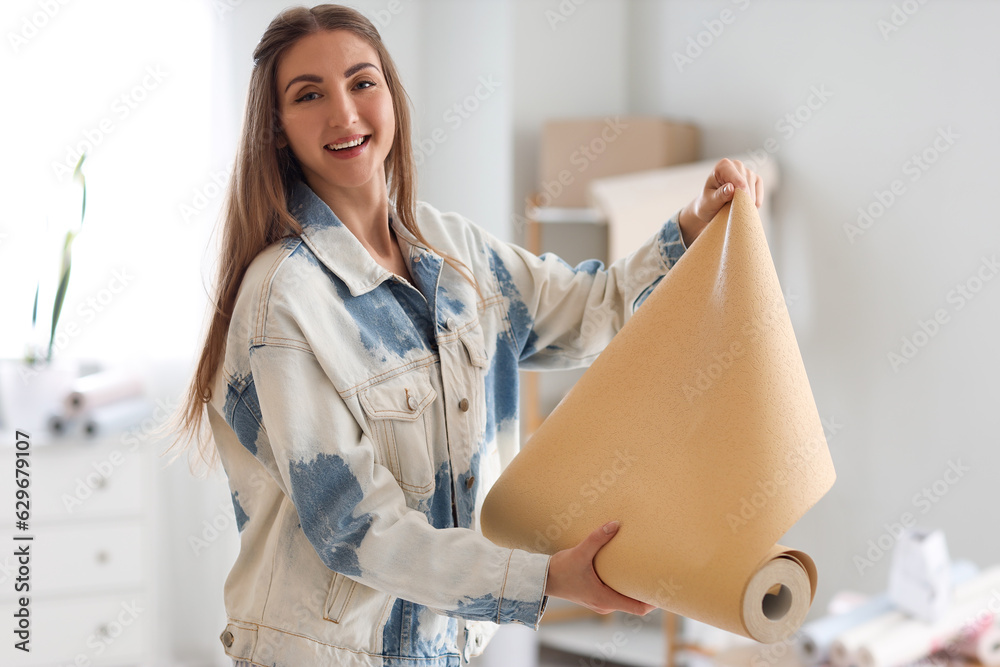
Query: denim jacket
362, 419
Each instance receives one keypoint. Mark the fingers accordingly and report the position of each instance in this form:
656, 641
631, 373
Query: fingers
572, 576
725, 193
611, 600
598, 538
730, 171
734, 172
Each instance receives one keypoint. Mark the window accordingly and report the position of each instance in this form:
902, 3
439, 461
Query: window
132, 84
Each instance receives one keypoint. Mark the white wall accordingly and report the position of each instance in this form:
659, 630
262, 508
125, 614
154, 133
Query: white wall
899, 428
569, 60
464, 121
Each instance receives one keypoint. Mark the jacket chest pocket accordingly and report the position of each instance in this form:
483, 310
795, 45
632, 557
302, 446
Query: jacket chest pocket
399, 411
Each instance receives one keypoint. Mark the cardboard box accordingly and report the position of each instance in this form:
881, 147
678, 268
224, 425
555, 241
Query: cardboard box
576, 151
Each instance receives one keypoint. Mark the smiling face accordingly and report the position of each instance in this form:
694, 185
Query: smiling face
336, 112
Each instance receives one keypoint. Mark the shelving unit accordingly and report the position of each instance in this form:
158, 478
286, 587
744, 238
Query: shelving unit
590, 242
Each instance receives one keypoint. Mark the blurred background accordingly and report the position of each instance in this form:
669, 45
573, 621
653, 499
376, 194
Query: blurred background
879, 116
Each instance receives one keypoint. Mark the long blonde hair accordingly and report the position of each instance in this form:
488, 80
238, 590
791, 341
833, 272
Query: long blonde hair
255, 213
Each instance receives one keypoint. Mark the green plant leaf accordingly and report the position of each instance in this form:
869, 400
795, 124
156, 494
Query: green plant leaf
67, 260
34, 310
61, 292
82, 180
57, 306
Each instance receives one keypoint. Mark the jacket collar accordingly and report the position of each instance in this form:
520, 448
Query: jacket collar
336, 246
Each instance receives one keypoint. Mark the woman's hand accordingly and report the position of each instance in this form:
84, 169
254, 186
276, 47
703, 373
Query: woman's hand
572, 577
719, 189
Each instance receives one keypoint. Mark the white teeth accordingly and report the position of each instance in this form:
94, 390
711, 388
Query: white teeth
349, 144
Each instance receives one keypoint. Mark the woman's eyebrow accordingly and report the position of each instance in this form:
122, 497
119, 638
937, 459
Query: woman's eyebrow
354, 69
304, 77
314, 78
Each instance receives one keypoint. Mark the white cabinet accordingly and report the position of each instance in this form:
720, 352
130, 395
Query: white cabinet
92, 598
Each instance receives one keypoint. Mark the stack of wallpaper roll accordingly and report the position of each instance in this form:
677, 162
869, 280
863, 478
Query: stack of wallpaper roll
697, 429
877, 635
817, 638
102, 403
982, 645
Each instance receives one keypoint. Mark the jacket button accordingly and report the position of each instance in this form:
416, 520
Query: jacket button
450, 324
227, 638
411, 403
469, 482
463, 405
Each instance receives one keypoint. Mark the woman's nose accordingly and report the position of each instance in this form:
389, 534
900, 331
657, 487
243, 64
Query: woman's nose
343, 111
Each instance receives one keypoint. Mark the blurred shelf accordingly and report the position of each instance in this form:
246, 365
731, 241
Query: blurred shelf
617, 638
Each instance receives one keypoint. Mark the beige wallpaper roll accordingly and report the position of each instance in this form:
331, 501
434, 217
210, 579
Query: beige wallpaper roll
697, 429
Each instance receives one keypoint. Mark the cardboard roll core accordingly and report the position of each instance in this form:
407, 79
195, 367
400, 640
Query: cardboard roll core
777, 599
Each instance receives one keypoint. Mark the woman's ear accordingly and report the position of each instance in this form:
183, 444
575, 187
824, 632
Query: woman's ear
280, 139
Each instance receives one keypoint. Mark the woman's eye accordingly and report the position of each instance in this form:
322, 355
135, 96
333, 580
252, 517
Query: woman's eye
365, 84
303, 98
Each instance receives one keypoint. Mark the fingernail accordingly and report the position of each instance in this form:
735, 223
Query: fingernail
611, 527
727, 188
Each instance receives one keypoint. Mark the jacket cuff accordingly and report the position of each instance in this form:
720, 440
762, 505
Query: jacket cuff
523, 598
671, 242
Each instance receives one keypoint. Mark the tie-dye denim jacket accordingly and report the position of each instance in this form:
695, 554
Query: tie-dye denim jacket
361, 420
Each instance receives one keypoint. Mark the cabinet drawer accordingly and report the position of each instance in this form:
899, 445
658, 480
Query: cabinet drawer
102, 630
74, 480
90, 557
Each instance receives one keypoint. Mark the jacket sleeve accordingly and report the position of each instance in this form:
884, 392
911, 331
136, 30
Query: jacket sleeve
563, 316
353, 511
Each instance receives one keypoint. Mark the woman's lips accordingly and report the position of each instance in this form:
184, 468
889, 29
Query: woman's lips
349, 151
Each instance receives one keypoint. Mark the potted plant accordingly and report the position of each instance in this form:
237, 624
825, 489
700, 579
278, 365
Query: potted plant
32, 388
32, 357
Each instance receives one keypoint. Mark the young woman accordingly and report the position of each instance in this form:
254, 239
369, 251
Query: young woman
360, 372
